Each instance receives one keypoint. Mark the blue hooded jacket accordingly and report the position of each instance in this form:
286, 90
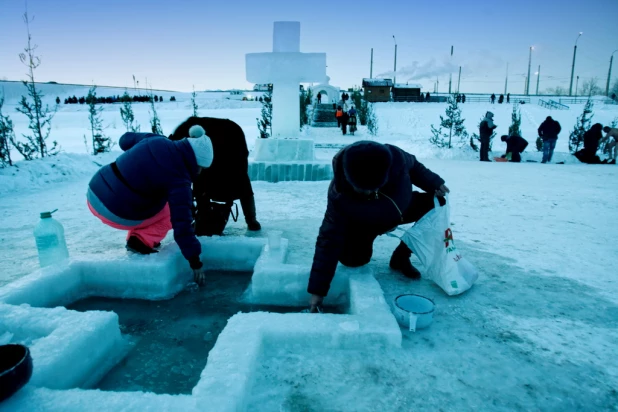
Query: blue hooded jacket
155, 171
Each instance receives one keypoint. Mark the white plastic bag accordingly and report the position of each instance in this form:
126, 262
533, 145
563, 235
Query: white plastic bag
431, 239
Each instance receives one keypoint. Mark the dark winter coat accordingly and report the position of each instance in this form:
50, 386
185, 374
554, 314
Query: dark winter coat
549, 129
348, 211
486, 130
516, 145
592, 138
227, 178
153, 171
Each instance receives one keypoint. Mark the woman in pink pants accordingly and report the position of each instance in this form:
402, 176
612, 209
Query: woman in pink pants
147, 191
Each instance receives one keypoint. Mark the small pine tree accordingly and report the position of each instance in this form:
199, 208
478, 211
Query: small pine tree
172, 99
361, 110
308, 97
473, 144
454, 125
100, 142
126, 114
372, 119
304, 111
57, 100
155, 123
515, 127
39, 116
156, 99
194, 103
265, 123
576, 138
6, 137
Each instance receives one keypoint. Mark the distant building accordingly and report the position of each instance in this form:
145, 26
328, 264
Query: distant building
377, 90
406, 92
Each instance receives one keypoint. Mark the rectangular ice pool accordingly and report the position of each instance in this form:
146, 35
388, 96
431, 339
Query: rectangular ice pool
171, 339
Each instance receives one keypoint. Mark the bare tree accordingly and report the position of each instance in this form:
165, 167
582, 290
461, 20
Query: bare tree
591, 87
39, 115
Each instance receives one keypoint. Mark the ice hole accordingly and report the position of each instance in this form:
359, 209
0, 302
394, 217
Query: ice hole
171, 338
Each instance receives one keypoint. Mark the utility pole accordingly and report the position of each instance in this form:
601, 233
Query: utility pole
506, 79
538, 78
437, 85
458, 79
450, 75
371, 65
609, 74
528, 78
573, 65
395, 65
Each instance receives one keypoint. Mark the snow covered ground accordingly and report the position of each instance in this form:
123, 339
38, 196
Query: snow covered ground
537, 332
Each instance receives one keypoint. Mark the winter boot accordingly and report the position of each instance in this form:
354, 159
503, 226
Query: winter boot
400, 261
248, 208
135, 245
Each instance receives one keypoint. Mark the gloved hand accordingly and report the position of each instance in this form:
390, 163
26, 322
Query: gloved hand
442, 191
315, 304
199, 276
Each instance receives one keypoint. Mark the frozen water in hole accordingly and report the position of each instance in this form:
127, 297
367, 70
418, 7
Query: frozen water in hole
172, 338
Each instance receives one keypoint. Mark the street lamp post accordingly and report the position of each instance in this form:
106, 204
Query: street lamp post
395, 65
609, 74
576, 84
450, 76
529, 63
538, 78
573, 66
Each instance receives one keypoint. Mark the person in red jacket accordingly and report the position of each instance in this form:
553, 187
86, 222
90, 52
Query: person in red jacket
370, 194
339, 115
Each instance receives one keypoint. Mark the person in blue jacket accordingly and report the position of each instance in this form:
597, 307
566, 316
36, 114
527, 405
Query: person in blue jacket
147, 191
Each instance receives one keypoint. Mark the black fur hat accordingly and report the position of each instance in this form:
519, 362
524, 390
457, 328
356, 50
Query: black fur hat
366, 164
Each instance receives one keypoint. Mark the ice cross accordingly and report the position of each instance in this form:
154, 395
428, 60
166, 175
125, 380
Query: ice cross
285, 68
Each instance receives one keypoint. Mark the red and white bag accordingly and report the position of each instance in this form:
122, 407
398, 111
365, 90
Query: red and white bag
431, 239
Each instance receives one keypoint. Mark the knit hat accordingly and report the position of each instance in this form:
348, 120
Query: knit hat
366, 164
489, 114
201, 145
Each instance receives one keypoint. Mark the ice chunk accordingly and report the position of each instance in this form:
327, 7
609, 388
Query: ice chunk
5, 338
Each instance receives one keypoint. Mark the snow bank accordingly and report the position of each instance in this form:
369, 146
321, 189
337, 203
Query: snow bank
40, 173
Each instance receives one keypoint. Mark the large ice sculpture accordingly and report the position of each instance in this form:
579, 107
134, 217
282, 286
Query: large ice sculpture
285, 68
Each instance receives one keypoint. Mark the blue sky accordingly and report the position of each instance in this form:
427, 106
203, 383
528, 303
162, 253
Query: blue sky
184, 43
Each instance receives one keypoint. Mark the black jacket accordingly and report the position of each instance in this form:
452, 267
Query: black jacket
227, 178
549, 129
592, 138
347, 211
516, 144
485, 131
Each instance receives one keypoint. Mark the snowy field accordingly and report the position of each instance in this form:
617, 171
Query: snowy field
537, 332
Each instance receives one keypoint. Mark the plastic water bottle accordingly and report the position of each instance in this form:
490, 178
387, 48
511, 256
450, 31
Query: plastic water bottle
50, 243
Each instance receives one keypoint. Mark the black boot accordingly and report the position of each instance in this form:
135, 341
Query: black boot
400, 261
135, 245
248, 208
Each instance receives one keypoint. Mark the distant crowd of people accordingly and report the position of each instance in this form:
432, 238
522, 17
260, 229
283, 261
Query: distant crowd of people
548, 131
500, 99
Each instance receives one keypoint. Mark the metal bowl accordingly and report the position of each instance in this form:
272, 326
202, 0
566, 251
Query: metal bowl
15, 369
